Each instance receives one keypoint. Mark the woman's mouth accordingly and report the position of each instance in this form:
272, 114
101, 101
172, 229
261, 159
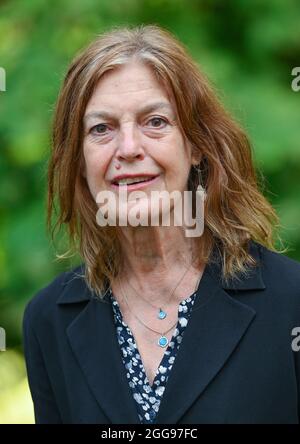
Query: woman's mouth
134, 183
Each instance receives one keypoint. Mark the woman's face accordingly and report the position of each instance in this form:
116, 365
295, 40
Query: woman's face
131, 122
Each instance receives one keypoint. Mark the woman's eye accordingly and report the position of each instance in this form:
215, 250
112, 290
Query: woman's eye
99, 129
157, 121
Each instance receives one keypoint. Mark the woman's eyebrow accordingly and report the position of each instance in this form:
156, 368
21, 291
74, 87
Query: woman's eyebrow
146, 109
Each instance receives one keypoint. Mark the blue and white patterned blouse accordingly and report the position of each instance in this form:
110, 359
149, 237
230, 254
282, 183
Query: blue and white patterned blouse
148, 397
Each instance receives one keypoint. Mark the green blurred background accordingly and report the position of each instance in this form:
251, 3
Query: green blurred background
247, 48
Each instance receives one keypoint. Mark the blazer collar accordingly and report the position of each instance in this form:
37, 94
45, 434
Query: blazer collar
253, 280
217, 325
75, 289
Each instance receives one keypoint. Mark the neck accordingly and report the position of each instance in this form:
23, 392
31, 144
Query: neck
154, 260
147, 250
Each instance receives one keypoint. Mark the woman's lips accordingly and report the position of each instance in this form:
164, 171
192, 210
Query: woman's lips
135, 186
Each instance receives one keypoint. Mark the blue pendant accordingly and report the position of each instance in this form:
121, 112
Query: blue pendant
163, 341
161, 314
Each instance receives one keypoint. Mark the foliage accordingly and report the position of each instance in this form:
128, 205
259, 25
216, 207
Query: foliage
247, 48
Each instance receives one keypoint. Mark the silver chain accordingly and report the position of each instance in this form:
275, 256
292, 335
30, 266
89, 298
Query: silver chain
141, 322
181, 279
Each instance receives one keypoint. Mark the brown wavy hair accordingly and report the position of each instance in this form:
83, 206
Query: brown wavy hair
235, 208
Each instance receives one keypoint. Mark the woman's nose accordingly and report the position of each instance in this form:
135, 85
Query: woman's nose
129, 143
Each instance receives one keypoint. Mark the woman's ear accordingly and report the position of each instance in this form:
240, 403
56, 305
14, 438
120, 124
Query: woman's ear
195, 153
196, 157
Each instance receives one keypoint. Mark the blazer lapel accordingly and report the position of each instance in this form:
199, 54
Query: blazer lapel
217, 325
93, 339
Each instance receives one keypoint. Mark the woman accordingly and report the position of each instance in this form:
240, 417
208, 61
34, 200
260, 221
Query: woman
156, 326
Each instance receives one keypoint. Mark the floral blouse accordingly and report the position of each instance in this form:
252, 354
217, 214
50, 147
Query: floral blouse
148, 397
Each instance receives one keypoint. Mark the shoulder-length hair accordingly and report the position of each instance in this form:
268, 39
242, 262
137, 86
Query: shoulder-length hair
235, 209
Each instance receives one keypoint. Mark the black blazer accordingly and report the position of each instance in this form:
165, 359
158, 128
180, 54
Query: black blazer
235, 363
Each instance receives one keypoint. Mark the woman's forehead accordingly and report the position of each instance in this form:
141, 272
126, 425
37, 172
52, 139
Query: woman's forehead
140, 98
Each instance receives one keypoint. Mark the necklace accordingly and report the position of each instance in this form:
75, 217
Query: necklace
162, 314
163, 340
